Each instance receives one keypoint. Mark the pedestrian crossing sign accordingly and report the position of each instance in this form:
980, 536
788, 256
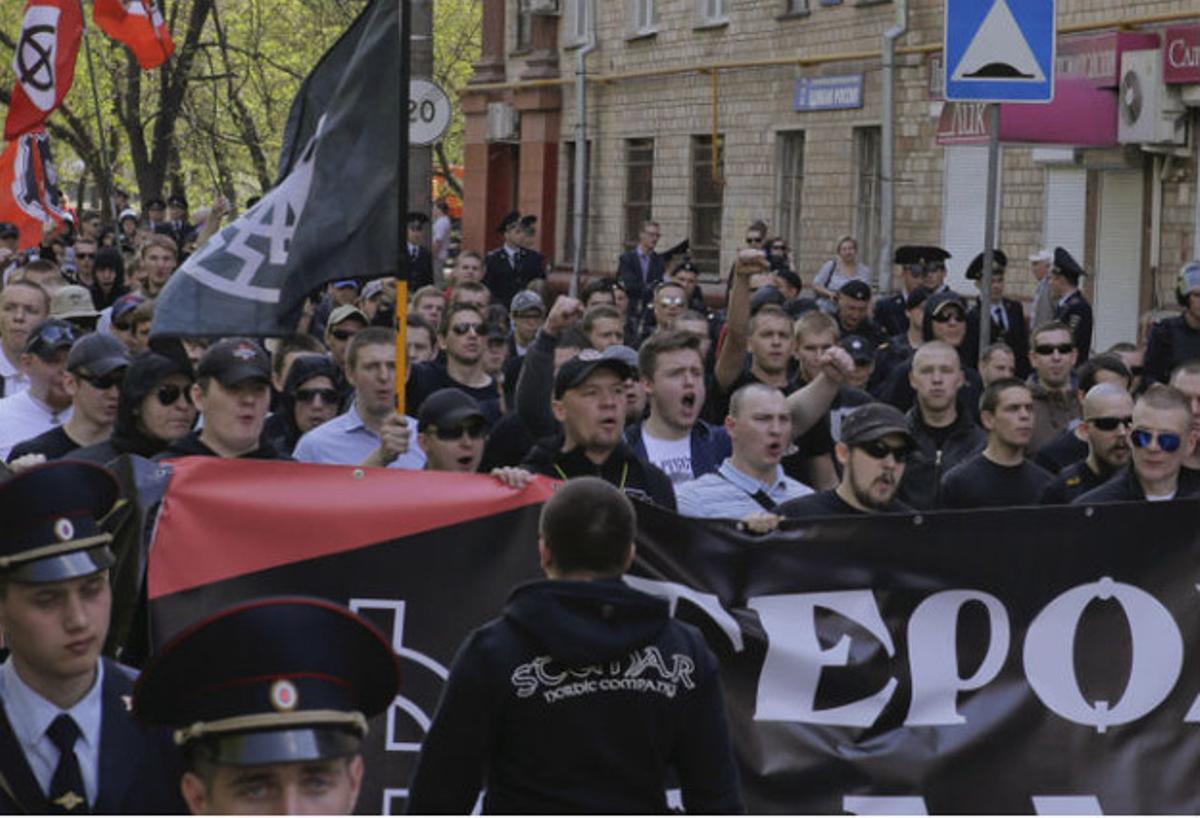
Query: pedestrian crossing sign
1000, 50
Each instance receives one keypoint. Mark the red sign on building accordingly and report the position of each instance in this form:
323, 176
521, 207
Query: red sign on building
1181, 55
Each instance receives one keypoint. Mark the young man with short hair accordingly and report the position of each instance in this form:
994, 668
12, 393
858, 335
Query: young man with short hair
159, 258
1160, 438
1107, 418
999, 475
46, 403
603, 326
997, 362
461, 337
874, 447
371, 432
23, 305
1055, 402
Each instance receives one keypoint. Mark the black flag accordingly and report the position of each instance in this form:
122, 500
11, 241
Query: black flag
333, 214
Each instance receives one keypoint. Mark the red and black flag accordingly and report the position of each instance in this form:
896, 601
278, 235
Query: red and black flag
44, 63
29, 192
140, 26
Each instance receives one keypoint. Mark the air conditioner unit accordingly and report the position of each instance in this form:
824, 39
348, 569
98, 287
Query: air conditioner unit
543, 8
1149, 111
503, 122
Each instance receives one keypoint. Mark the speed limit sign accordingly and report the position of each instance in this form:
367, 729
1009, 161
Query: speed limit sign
428, 112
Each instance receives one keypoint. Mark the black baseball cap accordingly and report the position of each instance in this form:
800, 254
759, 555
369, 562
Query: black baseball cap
50, 336
860, 351
578, 369
235, 360
448, 408
295, 680
98, 354
857, 289
873, 421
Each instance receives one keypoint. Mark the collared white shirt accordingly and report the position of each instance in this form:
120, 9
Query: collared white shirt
31, 715
1062, 302
14, 379
347, 441
729, 493
23, 416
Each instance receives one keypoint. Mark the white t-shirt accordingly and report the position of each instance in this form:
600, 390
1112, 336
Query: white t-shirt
672, 456
1158, 498
22, 416
14, 380
441, 236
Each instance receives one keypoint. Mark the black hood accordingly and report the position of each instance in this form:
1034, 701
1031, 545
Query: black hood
145, 373
285, 433
932, 303
586, 622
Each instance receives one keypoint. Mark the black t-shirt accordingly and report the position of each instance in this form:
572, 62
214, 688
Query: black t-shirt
938, 434
1073, 481
980, 483
428, 377
828, 504
54, 444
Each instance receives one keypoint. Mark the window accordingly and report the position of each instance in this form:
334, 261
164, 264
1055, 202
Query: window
712, 12
578, 21
707, 199
639, 186
867, 148
790, 185
795, 7
569, 243
523, 27
643, 17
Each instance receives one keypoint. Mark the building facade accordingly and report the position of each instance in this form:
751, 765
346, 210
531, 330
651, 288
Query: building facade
709, 114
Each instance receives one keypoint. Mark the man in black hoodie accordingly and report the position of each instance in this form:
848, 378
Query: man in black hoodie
584, 693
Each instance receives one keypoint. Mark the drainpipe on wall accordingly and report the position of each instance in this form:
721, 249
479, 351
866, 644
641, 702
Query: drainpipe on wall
888, 149
579, 228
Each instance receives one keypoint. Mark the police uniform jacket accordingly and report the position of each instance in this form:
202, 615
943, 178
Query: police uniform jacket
1016, 334
420, 269
891, 315
922, 480
504, 280
1076, 313
639, 289
1071, 482
1171, 342
578, 699
139, 768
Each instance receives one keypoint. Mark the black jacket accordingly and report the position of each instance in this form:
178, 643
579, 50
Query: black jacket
503, 281
1076, 313
139, 767
420, 270
1124, 487
1171, 342
1071, 482
190, 444
629, 272
578, 700
623, 469
1016, 335
920, 487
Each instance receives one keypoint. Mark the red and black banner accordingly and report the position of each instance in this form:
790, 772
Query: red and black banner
1015, 661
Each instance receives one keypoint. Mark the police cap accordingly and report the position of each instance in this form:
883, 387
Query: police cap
857, 289
1066, 265
51, 531
921, 257
999, 264
508, 221
270, 681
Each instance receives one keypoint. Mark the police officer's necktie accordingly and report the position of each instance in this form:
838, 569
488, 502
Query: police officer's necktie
1000, 318
67, 796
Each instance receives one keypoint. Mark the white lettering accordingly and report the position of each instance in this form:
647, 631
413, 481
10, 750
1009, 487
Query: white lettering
884, 805
787, 685
1180, 56
1050, 663
674, 591
934, 661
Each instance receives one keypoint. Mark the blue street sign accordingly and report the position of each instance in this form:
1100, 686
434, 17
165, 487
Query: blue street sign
1000, 50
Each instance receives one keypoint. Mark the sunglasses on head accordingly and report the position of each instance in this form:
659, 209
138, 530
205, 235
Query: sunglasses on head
949, 315
472, 428
463, 327
1050, 349
328, 396
1108, 424
103, 382
52, 337
1167, 441
343, 334
169, 393
878, 450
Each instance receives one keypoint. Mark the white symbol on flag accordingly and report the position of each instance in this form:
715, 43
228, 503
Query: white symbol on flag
35, 59
999, 51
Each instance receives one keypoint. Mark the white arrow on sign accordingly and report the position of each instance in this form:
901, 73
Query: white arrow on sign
428, 112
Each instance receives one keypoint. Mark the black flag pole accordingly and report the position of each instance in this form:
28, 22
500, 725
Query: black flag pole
402, 260
105, 180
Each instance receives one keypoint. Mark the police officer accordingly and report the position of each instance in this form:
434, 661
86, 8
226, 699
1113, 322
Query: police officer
68, 744
420, 261
853, 300
1070, 306
276, 725
915, 262
1177, 339
510, 267
1008, 322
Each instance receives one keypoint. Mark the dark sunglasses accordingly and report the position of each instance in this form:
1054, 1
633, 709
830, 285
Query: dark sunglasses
779, 247
1136, 371
328, 396
463, 327
473, 429
122, 326
85, 255
343, 334
672, 301
1167, 441
1049, 349
753, 240
948, 316
878, 450
1109, 424
168, 394
105, 381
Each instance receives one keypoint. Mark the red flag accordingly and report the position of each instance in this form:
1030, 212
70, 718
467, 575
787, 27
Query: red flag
140, 26
44, 63
29, 194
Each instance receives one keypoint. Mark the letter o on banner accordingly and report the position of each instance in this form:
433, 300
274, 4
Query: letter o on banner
1050, 663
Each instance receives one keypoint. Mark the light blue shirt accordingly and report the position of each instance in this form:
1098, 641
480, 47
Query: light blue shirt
345, 440
728, 493
30, 716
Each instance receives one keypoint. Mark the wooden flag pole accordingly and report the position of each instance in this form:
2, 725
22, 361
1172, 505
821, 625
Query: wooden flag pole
402, 259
